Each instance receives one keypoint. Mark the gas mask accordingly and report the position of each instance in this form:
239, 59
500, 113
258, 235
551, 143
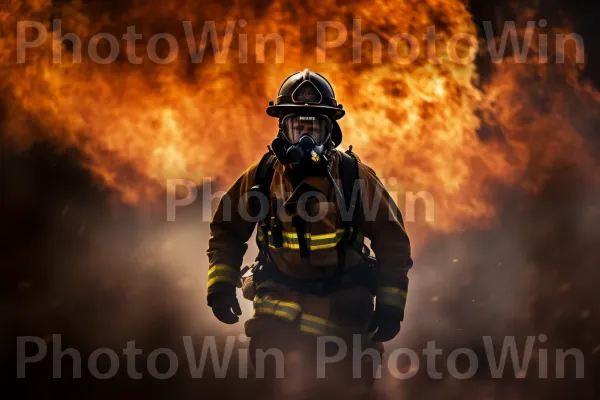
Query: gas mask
303, 141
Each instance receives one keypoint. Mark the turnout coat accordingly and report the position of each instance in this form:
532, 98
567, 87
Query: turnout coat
345, 311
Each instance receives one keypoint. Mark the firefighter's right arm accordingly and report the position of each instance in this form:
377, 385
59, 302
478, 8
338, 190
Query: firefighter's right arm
230, 229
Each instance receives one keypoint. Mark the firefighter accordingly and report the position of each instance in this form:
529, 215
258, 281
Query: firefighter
314, 277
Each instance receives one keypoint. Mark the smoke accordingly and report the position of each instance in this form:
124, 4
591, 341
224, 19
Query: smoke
512, 162
104, 273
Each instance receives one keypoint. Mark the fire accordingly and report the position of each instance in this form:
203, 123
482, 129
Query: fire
137, 126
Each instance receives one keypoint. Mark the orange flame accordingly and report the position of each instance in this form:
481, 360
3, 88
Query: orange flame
139, 125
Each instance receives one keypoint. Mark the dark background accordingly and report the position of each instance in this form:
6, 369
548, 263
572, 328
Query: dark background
58, 277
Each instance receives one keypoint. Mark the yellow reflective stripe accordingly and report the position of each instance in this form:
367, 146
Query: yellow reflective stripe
308, 323
394, 290
221, 267
294, 246
392, 296
315, 325
315, 241
270, 306
393, 302
293, 235
316, 319
216, 279
290, 304
322, 246
285, 314
309, 329
278, 313
222, 273
287, 246
325, 235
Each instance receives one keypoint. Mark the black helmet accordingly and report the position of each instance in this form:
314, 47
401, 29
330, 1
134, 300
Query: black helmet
306, 90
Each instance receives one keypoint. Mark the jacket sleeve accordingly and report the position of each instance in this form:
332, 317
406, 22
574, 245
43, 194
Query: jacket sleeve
382, 223
230, 229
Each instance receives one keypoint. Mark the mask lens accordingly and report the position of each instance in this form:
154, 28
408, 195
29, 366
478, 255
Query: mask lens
315, 126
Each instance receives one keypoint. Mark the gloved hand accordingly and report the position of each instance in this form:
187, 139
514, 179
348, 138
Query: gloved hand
225, 306
387, 322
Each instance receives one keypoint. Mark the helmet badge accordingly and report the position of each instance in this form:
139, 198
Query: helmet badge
307, 93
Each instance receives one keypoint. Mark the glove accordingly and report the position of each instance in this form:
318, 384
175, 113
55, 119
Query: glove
386, 321
225, 305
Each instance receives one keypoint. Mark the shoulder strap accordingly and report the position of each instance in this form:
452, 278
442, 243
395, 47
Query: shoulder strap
265, 171
349, 177
262, 183
348, 171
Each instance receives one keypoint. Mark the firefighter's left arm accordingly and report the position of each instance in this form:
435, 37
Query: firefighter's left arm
383, 224
230, 229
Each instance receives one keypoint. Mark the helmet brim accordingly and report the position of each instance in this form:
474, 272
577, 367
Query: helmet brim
276, 111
